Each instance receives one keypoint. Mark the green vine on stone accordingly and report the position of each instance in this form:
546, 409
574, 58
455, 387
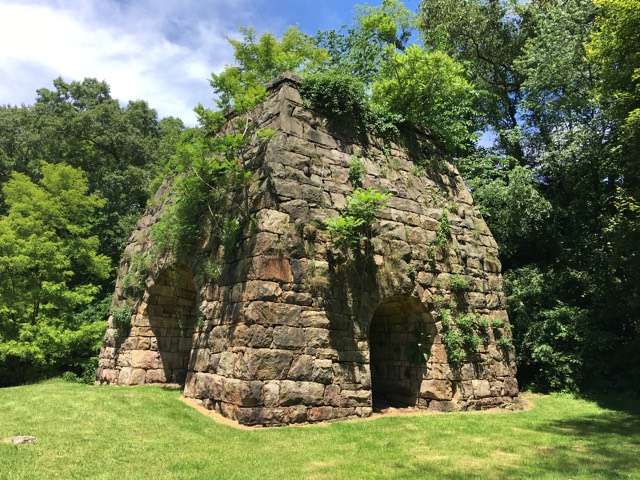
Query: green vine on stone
419, 350
351, 231
458, 284
443, 233
356, 170
135, 279
121, 316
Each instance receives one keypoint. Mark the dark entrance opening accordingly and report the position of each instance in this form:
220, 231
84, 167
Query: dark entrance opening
401, 333
172, 317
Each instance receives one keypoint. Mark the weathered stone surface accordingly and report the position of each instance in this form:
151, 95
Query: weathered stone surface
288, 337
436, 389
274, 269
19, 440
301, 393
265, 364
302, 368
243, 393
287, 330
272, 221
481, 388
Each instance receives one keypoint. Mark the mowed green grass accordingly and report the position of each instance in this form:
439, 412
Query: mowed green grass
148, 433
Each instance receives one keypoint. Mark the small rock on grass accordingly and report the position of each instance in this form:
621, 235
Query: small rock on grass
19, 440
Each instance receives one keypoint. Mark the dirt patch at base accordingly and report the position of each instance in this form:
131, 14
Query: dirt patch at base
522, 405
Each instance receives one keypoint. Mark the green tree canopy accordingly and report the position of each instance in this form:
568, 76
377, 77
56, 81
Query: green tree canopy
79, 123
50, 269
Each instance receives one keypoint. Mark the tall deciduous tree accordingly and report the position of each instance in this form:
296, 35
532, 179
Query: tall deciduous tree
561, 79
50, 269
488, 35
79, 123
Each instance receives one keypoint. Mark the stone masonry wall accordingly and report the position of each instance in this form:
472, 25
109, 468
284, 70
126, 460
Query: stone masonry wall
291, 332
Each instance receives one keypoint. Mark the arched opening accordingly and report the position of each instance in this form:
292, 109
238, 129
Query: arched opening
400, 337
172, 317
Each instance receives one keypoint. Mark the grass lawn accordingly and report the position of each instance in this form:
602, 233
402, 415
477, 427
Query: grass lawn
146, 432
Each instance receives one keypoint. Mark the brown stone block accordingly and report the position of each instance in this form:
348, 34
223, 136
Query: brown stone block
327, 354
185, 343
131, 376
106, 375
303, 299
264, 364
301, 368
291, 126
345, 372
511, 387
436, 389
344, 412
243, 393
316, 337
108, 353
301, 393
296, 414
200, 360
145, 359
155, 376
356, 356
320, 414
443, 406
363, 411
287, 189
268, 313
235, 292
227, 364
314, 319
440, 371
438, 354
288, 337
322, 371
162, 290
356, 398
106, 363
261, 290
321, 138
271, 394
492, 265
228, 410
332, 396
261, 243
481, 388
142, 332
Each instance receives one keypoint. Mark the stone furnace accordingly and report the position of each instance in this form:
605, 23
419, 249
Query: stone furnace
292, 331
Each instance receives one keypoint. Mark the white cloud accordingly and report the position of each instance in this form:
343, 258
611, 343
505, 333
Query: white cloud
162, 52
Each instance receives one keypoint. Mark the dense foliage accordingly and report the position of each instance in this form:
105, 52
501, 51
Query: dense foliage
559, 186
49, 271
553, 84
75, 169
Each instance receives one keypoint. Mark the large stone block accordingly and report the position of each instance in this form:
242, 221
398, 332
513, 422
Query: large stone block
481, 388
243, 393
302, 368
264, 364
289, 337
272, 221
145, 359
436, 389
301, 393
271, 268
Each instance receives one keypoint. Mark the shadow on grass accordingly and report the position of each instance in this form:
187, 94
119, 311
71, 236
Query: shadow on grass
624, 402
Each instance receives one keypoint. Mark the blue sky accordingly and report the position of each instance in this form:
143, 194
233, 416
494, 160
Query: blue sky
158, 50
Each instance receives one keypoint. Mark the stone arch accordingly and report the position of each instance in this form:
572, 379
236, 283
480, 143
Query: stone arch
395, 348
172, 315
